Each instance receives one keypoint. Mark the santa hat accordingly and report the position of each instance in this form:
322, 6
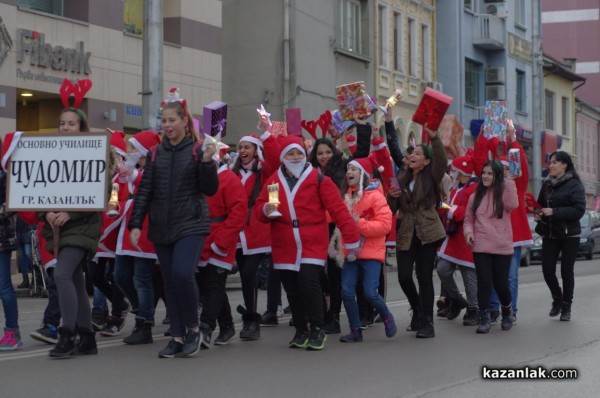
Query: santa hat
464, 165
9, 144
366, 165
290, 142
144, 141
504, 161
352, 143
117, 143
254, 139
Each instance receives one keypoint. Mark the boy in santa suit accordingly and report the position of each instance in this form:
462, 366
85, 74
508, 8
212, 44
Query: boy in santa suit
228, 214
134, 265
301, 230
455, 253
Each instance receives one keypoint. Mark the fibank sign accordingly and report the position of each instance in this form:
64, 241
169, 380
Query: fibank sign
45, 55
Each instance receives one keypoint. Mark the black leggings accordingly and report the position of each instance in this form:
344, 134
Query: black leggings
101, 274
248, 265
70, 283
423, 257
567, 248
492, 270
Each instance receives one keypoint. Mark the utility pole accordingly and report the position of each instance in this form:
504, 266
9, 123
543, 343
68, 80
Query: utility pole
538, 95
152, 63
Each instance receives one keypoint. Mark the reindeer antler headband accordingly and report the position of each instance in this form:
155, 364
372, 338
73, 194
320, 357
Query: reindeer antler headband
77, 90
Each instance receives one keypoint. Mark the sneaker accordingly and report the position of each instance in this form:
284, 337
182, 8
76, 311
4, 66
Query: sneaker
191, 344
46, 334
471, 317
316, 340
300, 339
355, 336
168, 332
11, 340
166, 321
225, 336
99, 319
494, 315
113, 327
205, 337
390, 325
514, 319
363, 324
333, 327
126, 311
269, 319
456, 306
172, 349
287, 310
23, 285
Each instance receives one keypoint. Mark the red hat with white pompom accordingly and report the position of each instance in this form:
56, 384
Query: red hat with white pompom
366, 165
144, 141
9, 144
463, 164
117, 143
254, 139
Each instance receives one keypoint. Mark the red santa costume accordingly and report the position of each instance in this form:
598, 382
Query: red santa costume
381, 157
300, 247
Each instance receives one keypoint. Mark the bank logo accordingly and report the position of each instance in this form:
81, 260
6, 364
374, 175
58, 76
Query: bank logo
6, 42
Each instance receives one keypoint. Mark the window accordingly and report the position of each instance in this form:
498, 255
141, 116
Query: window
49, 6
351, 26
133, 16
383, 36
469, 5
412, 47
398, 47
472, 82
549, 118
520, 101
520, 12
566, 120
426, 51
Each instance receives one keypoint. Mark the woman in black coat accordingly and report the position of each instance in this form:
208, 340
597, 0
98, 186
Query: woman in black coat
562, 198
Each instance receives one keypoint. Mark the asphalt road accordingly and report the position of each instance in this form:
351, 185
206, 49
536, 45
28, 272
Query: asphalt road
449, 365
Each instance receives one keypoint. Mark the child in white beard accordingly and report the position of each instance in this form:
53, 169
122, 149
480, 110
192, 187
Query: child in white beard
302, 230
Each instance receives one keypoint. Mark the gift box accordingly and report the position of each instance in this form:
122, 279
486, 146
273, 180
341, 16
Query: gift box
338, 124
514, 162
278, 129
352, 101
293, 118
496, 122
432, 108
214, 119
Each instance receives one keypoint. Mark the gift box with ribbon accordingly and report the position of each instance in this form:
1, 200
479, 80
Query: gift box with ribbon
432, 108
278, 129
214, 119
353, 101
338, 124
496, 120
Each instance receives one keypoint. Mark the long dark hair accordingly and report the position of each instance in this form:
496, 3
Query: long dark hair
334, 168
237, 166
564, 157
497, 189
424, 178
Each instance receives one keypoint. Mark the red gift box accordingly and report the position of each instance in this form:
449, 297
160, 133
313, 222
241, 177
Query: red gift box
353, 101
293, 118
278, 129
214, 119
432, 108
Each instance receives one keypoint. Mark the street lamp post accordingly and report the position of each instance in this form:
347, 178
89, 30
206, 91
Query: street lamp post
152, 64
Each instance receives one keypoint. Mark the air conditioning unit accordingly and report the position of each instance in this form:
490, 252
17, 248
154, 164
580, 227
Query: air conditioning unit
495, 75
498, 9
496, 92
435, 85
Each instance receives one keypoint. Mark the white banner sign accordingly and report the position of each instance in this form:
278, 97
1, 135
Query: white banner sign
59, 172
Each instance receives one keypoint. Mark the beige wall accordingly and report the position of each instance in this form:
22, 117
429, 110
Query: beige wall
563, 88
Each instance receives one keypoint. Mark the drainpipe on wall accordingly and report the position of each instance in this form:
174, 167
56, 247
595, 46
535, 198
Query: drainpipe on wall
286, 55
538, 95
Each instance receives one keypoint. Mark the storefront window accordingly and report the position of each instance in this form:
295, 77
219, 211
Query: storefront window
49, 6
133, 16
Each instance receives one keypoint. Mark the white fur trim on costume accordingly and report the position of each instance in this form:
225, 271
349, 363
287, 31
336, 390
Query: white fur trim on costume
290, 147
13, 145
505, 163
251, 139
136, 144
215, 248
264, 136
358, 166
451, 211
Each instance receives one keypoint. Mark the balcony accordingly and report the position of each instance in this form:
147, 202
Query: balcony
489, 32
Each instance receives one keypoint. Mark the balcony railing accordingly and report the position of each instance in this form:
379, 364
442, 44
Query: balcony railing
489, 32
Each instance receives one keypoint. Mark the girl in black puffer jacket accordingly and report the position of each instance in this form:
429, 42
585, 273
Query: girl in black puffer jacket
562, 198
172, 192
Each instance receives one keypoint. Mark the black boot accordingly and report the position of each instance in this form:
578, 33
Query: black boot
471, 317
556, 305
332, 327
251, 327
456, 306
507, 319
87, 343
415, 321
565, 312
484, 322
65, 347
426, 330
141, 333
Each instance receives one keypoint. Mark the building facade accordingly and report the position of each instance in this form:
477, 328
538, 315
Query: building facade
588, 131
571, 30
43, 42
405, 40
484, 52
292, 54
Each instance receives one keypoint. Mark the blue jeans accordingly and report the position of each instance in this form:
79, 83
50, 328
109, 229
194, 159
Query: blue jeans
25, 259
513, 282
99, 301
134, 276
7, 292
369, 271
178, 263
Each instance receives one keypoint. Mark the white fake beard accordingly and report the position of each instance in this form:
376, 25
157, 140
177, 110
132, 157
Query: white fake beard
295, 167
132, 159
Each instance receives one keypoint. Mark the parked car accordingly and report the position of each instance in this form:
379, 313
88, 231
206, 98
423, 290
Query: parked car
535, 251
589, 240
